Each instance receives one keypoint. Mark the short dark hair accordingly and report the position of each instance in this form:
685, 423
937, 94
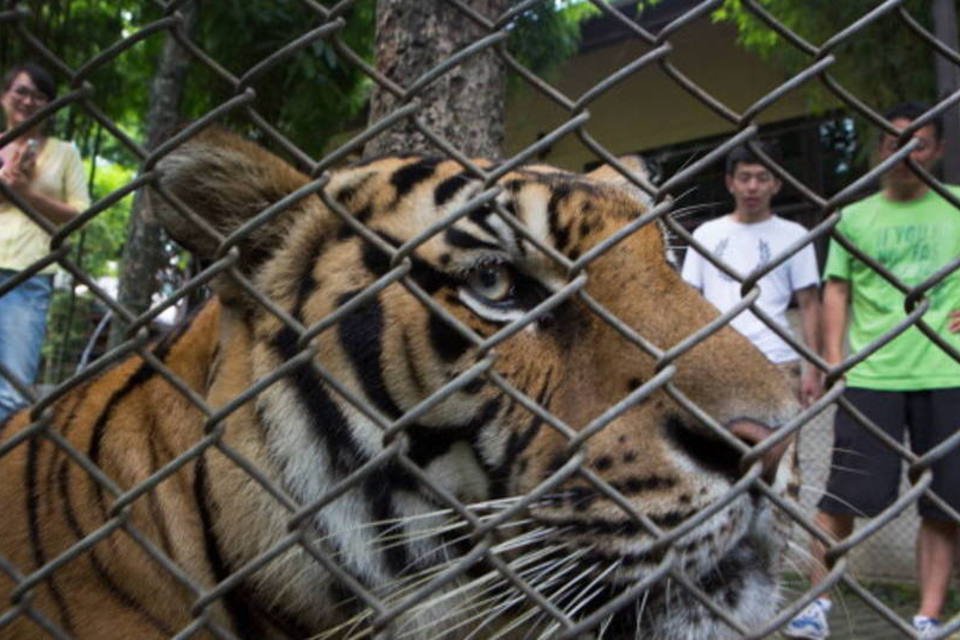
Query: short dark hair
913, 110
743, 153
41, 78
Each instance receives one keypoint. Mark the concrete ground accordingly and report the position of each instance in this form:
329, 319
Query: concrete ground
851, 618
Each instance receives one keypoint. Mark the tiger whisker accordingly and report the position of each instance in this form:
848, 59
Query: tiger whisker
580, 599
490, 575
641, 609
426, 575
335, 631
498, 505
574, 606
474, 604
567, 564
534, 611
430, 571
510, 598
400, 538
497, 580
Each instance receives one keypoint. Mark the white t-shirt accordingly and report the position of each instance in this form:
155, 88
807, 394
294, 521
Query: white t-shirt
745, 248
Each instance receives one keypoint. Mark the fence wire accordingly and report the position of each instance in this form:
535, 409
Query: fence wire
377, 615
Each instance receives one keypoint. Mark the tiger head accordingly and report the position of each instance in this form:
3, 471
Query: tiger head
483, 396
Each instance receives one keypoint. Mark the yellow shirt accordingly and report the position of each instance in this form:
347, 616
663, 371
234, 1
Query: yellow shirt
58, 174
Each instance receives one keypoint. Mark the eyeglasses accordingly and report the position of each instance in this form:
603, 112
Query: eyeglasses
23, 92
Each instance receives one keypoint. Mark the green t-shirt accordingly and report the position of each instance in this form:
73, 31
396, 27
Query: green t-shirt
912, 240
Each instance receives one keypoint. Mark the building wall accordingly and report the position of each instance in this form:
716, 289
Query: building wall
648, 109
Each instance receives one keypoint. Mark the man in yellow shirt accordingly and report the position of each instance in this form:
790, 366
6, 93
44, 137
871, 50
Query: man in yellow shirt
46, 176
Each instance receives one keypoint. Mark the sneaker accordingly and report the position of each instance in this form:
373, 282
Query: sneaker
926, 627
811, 623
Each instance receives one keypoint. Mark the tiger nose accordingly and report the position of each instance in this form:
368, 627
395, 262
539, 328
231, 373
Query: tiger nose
753, 433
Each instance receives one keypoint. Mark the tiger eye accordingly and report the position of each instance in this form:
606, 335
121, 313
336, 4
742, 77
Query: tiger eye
492, 281
488, 277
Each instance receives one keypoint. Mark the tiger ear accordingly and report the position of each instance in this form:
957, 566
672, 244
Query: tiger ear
223, 181
637, 168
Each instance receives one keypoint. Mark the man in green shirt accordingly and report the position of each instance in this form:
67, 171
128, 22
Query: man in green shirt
910, 381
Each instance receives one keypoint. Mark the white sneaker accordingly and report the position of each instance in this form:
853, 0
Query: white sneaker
811, 623
926, 627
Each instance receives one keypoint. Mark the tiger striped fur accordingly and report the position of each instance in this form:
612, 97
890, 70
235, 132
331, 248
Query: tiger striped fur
312, 426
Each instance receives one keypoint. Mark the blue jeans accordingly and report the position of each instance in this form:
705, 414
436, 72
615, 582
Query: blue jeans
23, 323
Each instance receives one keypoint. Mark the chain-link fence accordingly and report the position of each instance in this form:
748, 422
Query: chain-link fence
480, 578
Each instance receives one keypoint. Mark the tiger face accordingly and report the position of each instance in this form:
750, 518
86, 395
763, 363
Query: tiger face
468, 409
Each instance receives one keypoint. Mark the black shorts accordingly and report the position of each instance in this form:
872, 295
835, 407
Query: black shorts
865, 473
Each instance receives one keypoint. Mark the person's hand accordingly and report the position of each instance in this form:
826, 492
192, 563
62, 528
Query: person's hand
13, 175
811, 385
954, 321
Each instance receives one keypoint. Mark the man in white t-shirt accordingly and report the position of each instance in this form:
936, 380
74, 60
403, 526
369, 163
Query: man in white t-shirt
744, 241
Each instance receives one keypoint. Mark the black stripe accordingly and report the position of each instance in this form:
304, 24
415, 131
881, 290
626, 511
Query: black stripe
623, 528
78, 396
167, 342
123, 596
333, 429
582, 498
363, 215
457, 238
560, 234
361, 335
328, 422
712, 453
153, 502
237, 610
430, 279
405, 179
344, 230
378, 491
529, 292
143, 373
423, 273
415, 375
449, 188
518, 242
627, 559
479, 216
429, 443
349, 191
517, 443
306, 283
140, 377
33, 520
376, 261
445, 340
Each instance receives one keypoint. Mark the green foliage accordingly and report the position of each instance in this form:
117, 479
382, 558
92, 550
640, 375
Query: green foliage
71, 320
549, 33
866, 63
105, 234
310, 93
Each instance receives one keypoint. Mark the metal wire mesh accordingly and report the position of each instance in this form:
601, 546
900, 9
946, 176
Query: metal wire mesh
82, 96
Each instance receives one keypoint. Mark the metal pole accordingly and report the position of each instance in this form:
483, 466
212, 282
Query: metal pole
944, 14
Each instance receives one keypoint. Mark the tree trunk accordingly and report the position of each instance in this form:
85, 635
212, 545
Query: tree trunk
144, 255
465, 106
944, 13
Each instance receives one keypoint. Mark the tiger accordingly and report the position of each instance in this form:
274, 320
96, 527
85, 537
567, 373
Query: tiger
426, 400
